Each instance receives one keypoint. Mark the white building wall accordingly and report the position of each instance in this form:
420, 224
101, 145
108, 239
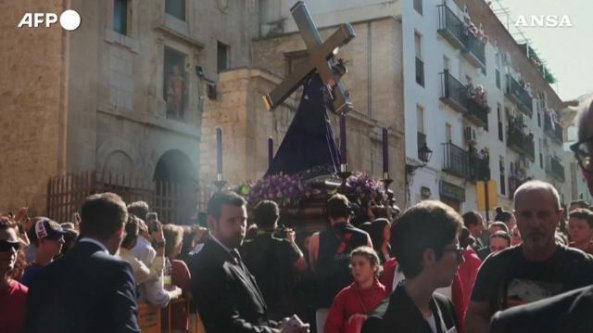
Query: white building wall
437, 114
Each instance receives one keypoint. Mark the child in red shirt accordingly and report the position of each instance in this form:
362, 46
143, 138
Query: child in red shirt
353, 303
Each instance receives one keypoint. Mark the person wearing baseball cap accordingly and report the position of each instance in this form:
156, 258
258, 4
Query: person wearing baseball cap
48, 238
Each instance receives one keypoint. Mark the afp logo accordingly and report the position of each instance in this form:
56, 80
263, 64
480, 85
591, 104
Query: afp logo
69, 20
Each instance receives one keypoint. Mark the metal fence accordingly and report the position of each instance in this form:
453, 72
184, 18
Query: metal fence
174, 202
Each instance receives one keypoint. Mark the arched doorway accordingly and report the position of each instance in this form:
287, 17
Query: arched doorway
175, 183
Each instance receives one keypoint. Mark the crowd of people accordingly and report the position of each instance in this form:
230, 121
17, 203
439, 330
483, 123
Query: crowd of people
429, 269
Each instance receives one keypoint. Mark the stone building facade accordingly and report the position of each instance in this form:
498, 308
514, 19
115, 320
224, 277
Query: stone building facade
139, 88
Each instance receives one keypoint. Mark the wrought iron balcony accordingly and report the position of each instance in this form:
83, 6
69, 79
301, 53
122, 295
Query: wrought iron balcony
475, 50
464, 99
421, 139
454, 30
453, 92
479, 167
518, 140
455, 160
518, 94
477, 111
451, 27
555, 168
555, 132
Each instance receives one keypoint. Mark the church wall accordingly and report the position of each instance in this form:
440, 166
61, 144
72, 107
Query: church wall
31, 120
246, 126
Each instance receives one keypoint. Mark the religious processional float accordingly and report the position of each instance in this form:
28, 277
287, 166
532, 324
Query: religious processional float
308, 167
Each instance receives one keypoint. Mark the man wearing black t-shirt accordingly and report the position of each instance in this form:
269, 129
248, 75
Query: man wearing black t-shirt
570, 311
329, 255
537, 269
272, 260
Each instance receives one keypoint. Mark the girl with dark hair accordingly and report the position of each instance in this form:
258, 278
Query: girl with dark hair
505, 216
380, 232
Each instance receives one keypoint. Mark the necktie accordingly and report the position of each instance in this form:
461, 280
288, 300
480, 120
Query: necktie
235, 254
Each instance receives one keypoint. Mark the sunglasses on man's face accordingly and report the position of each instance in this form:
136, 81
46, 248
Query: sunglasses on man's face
583, 152
6, 245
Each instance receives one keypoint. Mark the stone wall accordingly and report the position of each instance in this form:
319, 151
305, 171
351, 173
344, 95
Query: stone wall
31, 122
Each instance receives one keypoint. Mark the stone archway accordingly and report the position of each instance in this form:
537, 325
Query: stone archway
174, 167
175, 187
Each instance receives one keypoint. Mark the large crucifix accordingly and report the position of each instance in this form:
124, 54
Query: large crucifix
320, 58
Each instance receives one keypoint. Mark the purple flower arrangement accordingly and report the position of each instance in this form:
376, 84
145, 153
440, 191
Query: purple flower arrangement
362, 186
288, 191
285, 190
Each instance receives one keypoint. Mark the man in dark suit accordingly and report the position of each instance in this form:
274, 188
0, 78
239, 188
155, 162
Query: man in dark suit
88, 289
570, 311
226, 294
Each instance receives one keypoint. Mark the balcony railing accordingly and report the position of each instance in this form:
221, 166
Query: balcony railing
555, 168
421, 139
514, 183
516, 92
419, 72
455, 160
451, 27
519, 141
457, 33
475, 50
479, 167
464, 99
477, 112
555, 132
453, 93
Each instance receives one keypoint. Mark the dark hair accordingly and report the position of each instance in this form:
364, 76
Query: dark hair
503, 215
502, 235
427, 225
132, 231
102, 215
70, 238
266, 214
583, 214
585, 109
580, 204
376, 231
471, 218
338, 206
501, 225
138, 208
465, 238
223, 198
173, 237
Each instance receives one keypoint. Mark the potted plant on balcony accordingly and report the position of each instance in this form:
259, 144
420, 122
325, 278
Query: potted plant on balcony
479, 95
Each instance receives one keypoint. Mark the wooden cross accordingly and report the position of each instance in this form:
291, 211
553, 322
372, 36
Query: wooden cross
320, 58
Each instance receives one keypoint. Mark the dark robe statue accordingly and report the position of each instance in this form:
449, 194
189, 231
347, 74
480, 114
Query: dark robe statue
309, 144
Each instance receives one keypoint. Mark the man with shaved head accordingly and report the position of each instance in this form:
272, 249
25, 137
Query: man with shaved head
536, 269
570, 311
